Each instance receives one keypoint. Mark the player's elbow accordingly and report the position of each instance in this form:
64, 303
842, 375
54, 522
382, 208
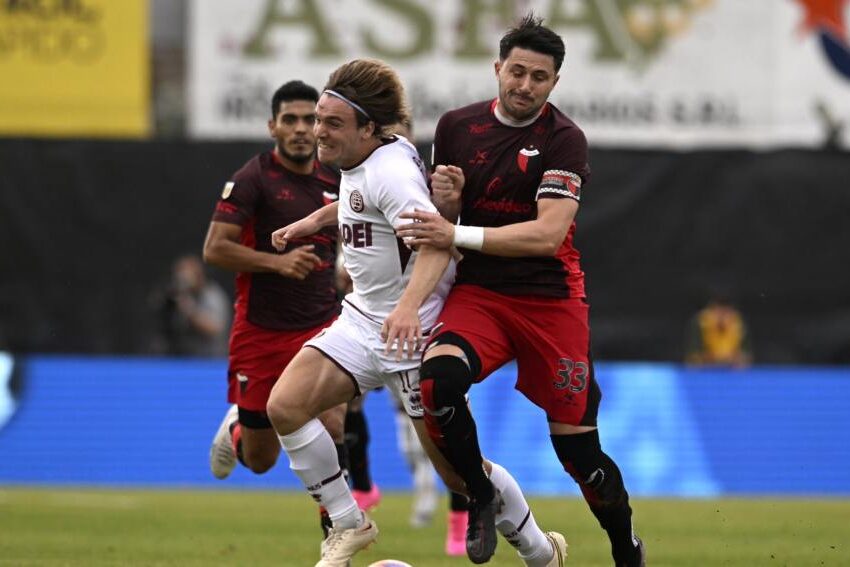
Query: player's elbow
211, 253
548, 245
550, 248
208, 256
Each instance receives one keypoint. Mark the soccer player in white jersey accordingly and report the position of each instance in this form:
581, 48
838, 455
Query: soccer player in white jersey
398, 294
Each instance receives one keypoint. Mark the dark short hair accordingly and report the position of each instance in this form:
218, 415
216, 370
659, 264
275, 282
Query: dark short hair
530, 33
293, 90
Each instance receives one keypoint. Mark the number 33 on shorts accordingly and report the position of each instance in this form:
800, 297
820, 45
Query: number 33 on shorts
572, 375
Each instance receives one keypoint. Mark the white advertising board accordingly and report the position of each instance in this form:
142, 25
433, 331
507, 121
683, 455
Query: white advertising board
670, 73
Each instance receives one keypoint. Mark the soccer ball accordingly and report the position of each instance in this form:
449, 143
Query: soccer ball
390, 563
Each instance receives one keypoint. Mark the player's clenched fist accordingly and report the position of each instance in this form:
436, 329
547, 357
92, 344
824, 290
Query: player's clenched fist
447, 180
297, 263
446, 184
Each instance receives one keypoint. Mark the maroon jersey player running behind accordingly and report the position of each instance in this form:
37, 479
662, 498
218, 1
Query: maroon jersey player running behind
282, 299
513, 168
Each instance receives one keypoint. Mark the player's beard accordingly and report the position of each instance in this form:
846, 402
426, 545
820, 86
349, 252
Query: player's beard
296, 158
521, 114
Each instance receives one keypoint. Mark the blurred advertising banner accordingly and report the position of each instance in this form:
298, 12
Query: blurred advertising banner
74, 68
637, 72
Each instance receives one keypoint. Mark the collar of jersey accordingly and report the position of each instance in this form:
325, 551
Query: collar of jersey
384, 142
507, 121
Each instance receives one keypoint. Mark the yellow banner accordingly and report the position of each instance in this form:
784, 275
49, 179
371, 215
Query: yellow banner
74, 68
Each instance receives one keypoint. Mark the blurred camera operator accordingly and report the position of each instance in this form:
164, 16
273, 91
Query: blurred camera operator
194, 313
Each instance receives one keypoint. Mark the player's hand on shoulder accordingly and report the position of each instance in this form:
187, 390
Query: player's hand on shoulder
426, 228
402, 332
297, 263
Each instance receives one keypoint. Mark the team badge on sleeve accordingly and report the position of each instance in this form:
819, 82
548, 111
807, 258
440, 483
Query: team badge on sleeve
228, 189
561, 183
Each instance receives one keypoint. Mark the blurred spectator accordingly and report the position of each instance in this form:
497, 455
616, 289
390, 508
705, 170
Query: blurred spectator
717, 335
194, 313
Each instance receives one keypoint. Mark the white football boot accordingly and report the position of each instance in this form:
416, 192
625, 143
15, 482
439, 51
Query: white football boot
341, 545
222, 455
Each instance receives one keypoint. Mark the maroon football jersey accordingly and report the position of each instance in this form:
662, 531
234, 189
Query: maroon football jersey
262, 197
507, 169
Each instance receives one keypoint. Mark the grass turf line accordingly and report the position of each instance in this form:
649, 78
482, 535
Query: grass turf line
95, 527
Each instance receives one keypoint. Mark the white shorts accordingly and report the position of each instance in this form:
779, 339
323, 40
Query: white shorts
354, 343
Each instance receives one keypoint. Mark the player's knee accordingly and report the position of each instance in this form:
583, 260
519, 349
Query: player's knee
595, 472
259, 461
276, 413
444, 381
285, 417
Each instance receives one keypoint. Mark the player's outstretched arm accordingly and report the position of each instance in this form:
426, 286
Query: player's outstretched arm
402, 328
223, 248
542, 236
311, 224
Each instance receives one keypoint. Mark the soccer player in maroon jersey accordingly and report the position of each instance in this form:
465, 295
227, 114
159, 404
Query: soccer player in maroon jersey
512, 169
396, 298
282, 299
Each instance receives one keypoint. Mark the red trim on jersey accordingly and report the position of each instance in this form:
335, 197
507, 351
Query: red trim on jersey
243, 279
569, 257
277, 159
320, 174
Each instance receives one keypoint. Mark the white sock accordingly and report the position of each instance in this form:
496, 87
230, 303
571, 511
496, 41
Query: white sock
424, 487
516, 522
312, 457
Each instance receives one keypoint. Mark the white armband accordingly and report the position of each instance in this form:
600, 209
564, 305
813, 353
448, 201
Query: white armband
471, 237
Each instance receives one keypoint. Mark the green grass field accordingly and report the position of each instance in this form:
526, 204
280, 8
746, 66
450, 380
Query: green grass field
210, 528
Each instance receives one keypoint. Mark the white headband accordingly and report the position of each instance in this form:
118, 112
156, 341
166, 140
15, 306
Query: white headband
353, 104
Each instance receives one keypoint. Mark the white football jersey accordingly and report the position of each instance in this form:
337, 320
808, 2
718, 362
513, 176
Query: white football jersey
372, 195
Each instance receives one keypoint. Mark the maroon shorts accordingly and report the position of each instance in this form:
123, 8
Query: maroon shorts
257, 358
548, 337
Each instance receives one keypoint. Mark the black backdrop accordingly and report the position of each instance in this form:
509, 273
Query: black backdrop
89, 228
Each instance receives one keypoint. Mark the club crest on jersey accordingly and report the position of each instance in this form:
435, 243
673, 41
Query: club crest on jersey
356, 202
524, 155
228, 189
